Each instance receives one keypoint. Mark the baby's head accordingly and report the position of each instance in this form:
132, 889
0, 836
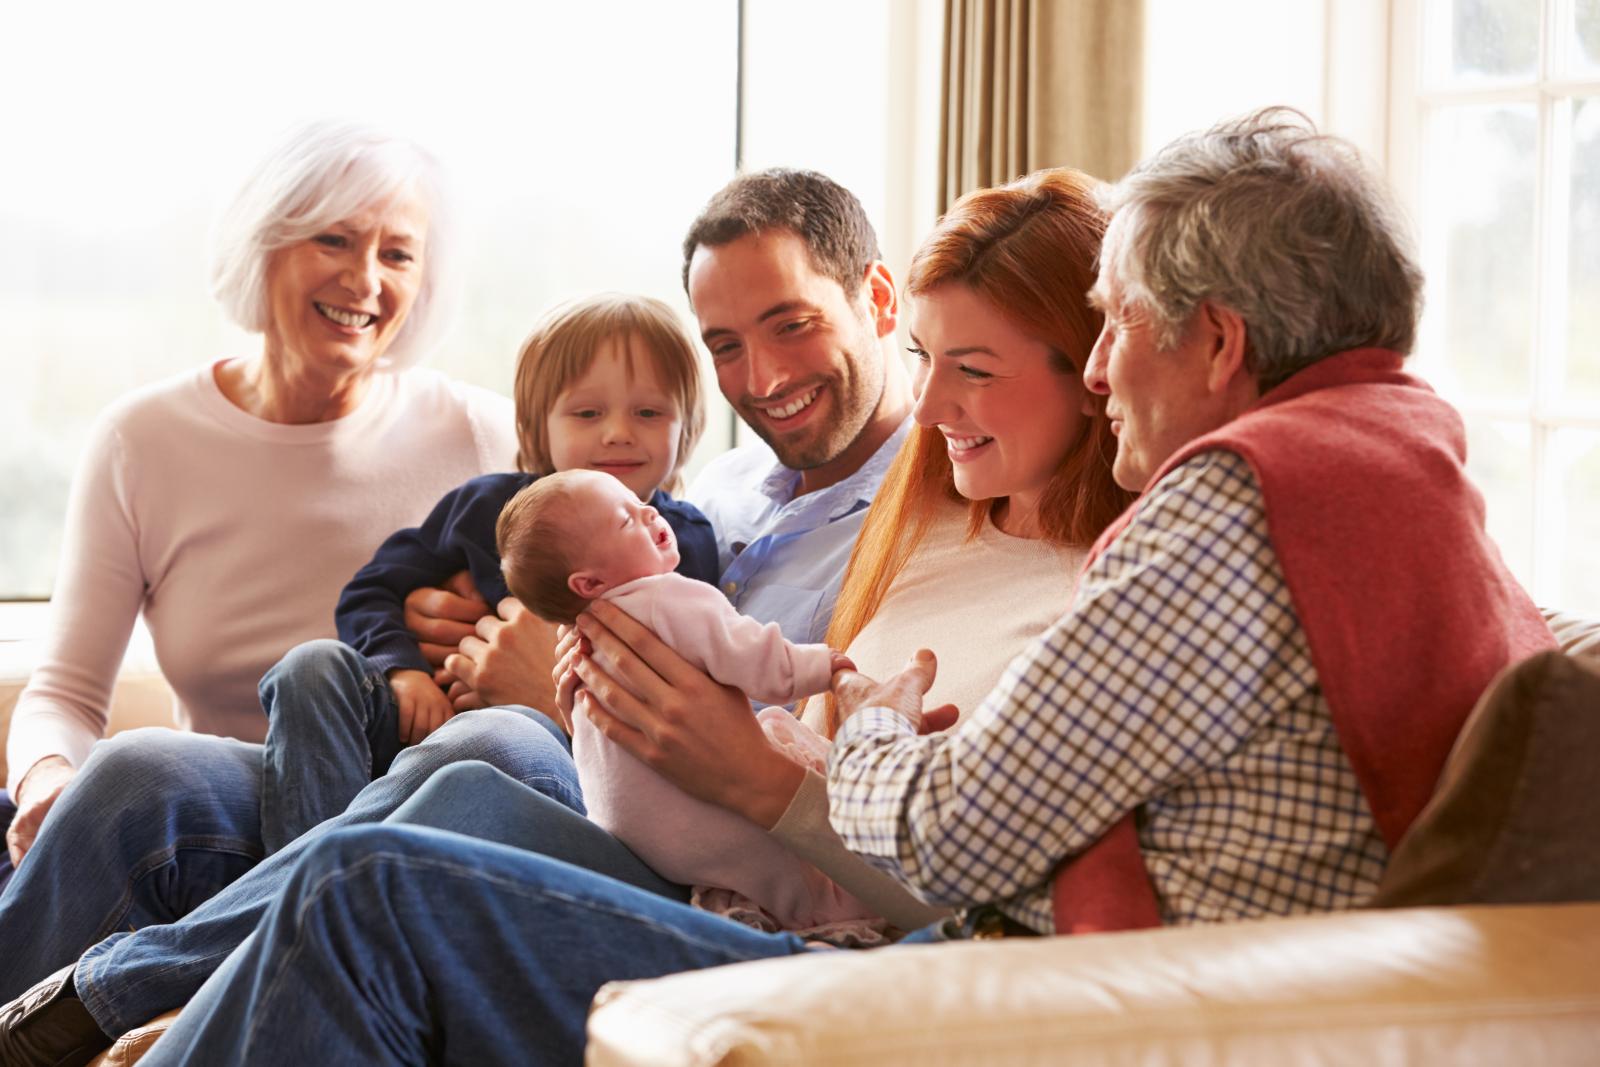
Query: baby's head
609, 383
571, 537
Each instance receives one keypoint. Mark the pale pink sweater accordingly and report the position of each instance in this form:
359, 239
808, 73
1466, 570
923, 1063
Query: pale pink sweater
234, 536
688, 840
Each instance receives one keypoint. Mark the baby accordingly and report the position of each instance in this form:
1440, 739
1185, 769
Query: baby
578, 536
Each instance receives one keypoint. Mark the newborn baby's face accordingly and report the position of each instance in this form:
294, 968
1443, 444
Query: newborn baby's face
624, 538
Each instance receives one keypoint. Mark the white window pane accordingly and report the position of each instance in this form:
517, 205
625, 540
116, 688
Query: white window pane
1584, 56
1475, 41
1478, 231
582, 139
1576, 514
1500, 463
1581, 387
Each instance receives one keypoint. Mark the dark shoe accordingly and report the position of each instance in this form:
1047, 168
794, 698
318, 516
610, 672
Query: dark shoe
48, 1026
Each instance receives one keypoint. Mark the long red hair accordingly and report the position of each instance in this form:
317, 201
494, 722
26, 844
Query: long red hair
1029, 248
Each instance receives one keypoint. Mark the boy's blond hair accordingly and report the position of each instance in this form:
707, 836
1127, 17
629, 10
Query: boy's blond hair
533, 540
561, 349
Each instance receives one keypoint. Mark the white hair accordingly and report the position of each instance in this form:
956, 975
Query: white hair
1279, 224
323, 173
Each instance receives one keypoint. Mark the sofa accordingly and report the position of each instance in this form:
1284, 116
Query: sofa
1516, 983
141, 696
1460, 986
1506, 984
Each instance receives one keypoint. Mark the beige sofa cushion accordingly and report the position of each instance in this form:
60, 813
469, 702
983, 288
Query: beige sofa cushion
1460, 986
139, 699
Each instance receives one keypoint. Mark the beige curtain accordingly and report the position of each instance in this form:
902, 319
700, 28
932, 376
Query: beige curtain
1039, 83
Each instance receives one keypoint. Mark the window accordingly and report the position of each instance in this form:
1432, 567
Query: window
1495, 144
581, 139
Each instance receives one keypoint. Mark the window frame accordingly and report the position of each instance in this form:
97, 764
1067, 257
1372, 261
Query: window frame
1412, 98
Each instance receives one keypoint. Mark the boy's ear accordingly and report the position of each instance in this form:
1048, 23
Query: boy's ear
587, 584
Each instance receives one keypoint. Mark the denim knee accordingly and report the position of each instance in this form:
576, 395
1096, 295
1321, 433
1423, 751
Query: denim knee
312, 668
151, 754
492, 736
344, 846
458, 782
142, 787
507, 741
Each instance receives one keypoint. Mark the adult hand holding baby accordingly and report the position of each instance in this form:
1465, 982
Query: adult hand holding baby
570, 645
677, 720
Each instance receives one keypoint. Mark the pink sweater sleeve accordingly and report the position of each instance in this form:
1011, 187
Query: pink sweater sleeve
99, 588
697, 621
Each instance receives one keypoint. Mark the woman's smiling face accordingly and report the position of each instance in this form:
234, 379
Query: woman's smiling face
1008, 409
339, 297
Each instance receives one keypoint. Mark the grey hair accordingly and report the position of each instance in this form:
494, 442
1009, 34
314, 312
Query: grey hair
320, 174
1279, 224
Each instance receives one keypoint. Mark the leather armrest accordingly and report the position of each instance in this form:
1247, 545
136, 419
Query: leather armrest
131, 1046
1460, 986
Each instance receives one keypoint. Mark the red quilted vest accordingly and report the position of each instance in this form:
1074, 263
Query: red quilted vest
1406, 605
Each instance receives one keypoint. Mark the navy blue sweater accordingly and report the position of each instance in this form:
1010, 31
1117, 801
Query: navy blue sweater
459, 535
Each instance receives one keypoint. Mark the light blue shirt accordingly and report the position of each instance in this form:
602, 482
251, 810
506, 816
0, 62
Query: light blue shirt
783, 556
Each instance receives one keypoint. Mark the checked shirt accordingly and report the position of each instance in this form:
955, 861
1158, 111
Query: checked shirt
1180, 684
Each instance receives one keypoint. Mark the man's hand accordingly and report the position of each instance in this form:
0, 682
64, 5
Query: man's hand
508, 658
420, 704
36, 794
901, 694
697, 734
440, 618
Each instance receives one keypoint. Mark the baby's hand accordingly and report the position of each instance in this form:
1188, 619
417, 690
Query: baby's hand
842, 662
420, 704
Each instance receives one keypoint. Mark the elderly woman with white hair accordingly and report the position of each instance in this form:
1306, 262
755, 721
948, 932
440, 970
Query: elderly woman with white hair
230, 504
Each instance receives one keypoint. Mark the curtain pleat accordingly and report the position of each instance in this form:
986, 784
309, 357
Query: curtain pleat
1038, 83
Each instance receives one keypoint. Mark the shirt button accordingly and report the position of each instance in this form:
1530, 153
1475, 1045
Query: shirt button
731, 588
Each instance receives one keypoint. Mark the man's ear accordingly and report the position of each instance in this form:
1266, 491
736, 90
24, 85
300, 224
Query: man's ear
882, 301
587, 584
1225, 338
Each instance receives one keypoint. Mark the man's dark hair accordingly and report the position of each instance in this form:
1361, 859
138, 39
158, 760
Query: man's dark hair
820, 211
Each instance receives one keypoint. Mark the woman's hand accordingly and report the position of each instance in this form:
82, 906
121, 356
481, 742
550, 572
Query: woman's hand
570, 644
36, 794
440, 618
695, 733
508, 658
421, 706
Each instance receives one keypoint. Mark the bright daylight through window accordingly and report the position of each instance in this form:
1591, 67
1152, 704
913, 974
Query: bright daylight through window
579, 153
1497, 130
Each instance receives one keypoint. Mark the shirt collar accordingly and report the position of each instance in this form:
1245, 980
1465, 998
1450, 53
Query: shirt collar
780, 483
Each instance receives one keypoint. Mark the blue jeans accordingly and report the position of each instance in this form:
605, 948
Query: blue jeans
403, 944
8, 811
332, 727
161, 826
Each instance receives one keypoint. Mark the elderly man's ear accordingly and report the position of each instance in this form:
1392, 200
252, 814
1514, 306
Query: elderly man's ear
1224, 336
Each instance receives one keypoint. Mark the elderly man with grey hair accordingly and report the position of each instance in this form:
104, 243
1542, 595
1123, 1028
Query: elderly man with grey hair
1250, 699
